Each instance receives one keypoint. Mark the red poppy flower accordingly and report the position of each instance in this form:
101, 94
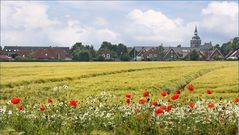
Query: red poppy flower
15, 100
178, 91
128, 95
169, 107
190, 104
142, 100
49, 100
164, 93
210, 105
73, 103
190, 88
163, 107
155, 103
175, 96
20, 107
158, 111
128, 101
236, 100
146, 93
42, 108
209, 91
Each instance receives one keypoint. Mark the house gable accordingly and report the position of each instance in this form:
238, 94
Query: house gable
215, 55
171, 55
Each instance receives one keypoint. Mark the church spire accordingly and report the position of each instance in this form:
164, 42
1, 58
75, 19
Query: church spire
195, 31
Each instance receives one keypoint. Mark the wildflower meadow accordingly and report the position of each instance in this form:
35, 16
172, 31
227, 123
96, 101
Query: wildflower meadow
163, 98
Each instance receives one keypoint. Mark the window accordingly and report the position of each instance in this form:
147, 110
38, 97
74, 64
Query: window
185, 51
108, 55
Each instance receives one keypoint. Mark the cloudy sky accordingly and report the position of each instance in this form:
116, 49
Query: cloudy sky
42, 23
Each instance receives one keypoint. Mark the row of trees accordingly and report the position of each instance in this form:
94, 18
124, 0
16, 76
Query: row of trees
82, 52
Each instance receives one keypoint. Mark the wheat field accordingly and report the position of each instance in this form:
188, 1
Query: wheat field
67, 80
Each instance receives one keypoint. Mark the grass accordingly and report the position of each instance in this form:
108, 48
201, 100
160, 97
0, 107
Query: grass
36, 81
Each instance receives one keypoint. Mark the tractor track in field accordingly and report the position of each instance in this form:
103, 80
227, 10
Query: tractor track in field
16, 84
187, 79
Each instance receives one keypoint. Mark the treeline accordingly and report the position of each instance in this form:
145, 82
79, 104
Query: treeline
229, 46
80, 52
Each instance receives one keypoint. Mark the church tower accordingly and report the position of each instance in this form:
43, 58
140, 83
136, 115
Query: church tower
196, 41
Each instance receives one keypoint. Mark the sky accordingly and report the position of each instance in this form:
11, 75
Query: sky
133, 23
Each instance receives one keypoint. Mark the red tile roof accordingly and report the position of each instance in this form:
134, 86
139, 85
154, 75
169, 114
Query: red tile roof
5, 57
49, 53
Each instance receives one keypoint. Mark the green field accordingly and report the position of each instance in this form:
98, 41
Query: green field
68, 80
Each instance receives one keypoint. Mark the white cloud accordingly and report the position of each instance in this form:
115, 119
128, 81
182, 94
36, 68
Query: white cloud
26, 15
154, 26
74, 32
221, 17
99, 21
218, 19
27, 23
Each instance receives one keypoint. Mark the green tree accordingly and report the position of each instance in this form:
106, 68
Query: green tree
230, 46
217, 46
194, 55
121, 50
116, 50
125, 57
82, 52
77, 45
81, 55
161, 52
100, 58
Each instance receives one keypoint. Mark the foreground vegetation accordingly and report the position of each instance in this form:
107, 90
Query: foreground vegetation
111, 112
144, 116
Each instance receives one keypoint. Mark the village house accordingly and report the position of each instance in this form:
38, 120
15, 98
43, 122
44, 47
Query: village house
37, 52
205, 51
233, 55
49, 53
105, 53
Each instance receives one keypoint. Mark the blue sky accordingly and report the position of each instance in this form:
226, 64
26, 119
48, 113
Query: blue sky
133, 23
